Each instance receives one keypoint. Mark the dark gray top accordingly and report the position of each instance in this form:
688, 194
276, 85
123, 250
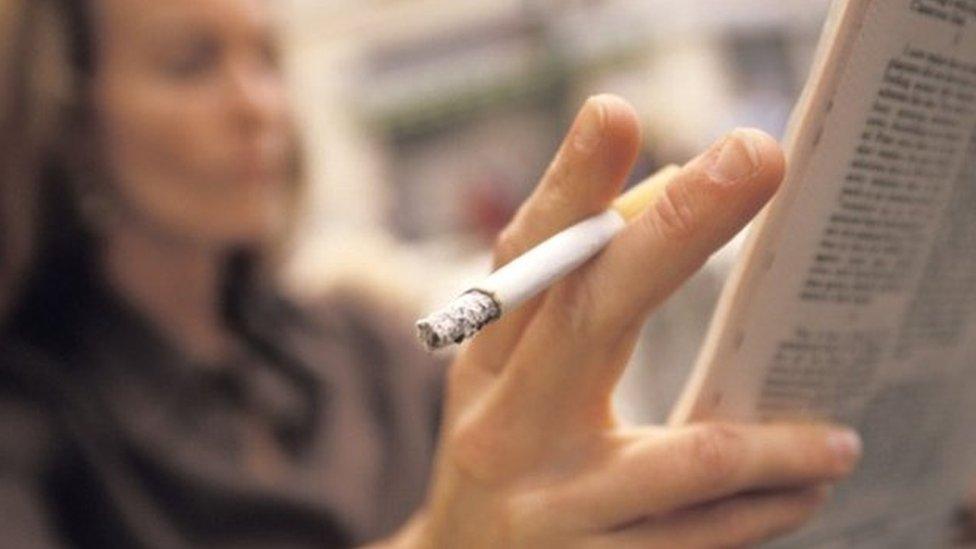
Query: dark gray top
320, 434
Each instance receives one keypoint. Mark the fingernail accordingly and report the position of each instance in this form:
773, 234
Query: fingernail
589, 129
846, 446
736, 158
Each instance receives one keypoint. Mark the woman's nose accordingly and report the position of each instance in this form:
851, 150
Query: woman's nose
257, 98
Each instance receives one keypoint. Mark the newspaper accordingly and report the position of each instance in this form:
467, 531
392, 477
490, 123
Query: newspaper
855, 300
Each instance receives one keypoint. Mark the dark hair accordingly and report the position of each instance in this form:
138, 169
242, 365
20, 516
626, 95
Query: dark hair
64, 245
78, 27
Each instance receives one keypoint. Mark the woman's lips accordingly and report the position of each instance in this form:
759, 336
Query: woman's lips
258, 174
258, 170
262, 160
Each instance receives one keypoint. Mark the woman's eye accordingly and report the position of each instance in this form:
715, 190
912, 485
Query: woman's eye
270, 55
191, 62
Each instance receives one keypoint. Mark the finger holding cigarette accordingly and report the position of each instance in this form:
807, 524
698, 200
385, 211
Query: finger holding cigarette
588, 172
532, 273
582, 336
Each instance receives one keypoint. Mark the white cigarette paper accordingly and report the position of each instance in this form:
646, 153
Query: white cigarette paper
540, 267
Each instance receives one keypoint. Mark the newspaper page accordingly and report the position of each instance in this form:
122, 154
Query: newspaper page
855, 300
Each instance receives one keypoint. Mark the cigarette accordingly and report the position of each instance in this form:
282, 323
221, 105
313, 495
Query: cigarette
538, 269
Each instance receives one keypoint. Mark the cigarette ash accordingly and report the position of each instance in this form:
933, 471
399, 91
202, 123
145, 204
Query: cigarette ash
460, 320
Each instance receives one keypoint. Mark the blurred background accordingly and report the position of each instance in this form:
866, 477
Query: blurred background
427, 122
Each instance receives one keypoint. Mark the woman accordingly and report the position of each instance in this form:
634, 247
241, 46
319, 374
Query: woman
192, 405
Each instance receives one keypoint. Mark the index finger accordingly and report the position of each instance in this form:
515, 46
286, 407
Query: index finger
587, 173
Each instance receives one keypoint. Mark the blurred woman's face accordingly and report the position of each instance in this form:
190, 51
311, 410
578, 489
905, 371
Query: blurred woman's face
192, 116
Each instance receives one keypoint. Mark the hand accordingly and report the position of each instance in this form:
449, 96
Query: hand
532, 455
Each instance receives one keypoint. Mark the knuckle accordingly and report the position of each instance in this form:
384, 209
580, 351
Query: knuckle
675, 214
558, 174
556, 206
717, 453
558, 189
477, 450
574, 304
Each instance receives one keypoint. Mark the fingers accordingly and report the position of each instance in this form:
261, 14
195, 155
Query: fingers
743, 521
694, 465
585, 329
703, 207
586, 175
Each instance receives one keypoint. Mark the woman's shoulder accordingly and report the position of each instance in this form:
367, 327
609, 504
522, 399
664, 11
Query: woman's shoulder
375, 329
368, 314
364, 318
